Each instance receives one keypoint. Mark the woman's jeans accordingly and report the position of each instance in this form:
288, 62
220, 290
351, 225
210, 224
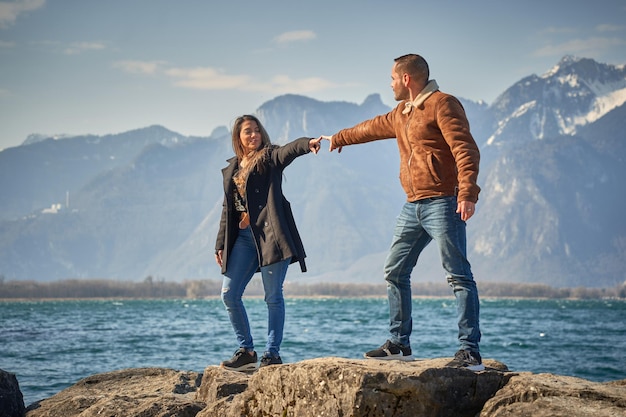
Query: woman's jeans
419, 223
243, 262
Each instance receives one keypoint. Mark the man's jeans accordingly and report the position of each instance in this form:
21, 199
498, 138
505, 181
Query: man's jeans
418, 224
242, 264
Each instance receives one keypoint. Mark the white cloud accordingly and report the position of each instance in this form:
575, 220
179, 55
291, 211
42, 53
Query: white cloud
295, 36
139, 67
610, 28
212, 79
552, 30
79, 47
283, 84
206, 78
10, 11
580, 47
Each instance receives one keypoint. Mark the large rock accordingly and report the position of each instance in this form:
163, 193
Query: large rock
547, 395
11, 398
345, 387
336, 387
144, 392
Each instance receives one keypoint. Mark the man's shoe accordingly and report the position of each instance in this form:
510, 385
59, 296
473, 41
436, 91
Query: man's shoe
390, 351
269, 359
468, 360
241, 361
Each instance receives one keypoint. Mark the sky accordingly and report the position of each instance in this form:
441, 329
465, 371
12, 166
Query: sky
73, 67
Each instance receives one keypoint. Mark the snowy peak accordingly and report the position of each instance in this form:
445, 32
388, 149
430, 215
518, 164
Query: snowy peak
604, 84
38, 137
575, 92
586, 69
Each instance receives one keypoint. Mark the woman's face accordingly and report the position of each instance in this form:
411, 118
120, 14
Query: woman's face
250, 135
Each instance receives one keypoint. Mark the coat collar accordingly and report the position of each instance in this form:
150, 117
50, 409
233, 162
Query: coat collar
430, 88
229, 171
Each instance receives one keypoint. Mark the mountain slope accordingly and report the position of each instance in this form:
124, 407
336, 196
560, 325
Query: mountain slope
577, 91
552, 164
42, 172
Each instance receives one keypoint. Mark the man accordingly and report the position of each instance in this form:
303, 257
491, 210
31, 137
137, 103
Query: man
438, 171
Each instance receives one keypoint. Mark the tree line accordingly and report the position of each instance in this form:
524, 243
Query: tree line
159, 288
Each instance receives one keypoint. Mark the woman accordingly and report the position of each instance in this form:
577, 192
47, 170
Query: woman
257, 233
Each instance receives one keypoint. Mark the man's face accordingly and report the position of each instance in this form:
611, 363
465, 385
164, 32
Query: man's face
400, 91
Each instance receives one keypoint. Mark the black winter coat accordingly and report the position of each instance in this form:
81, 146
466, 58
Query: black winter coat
271, 218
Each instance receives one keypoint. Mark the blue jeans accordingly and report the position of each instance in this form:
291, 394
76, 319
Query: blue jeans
418, 223
243, 262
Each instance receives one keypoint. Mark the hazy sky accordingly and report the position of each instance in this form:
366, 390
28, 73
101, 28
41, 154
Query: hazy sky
108, 66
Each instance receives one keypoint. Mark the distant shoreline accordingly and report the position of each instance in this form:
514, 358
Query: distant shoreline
306, 297
151, 289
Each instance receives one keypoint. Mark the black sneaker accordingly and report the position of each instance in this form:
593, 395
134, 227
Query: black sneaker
468, 360
241, 361
269, 359
390, 351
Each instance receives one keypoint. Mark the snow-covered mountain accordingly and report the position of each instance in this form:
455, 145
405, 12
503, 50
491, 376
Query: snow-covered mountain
574, 93
147, 202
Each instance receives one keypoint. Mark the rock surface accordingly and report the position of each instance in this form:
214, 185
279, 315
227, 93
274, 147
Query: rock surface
344, 387
145, 392
548, 395
11, 398
336, 387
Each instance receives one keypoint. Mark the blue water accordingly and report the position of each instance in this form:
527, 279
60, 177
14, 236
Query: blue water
50, 345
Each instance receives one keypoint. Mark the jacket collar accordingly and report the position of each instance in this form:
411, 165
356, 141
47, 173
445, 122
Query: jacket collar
430, 88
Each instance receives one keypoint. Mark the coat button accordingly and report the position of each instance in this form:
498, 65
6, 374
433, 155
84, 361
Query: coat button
256, 190
260, 207
266, 224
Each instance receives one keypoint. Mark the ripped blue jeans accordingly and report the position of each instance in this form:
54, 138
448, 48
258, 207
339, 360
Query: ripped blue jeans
242, 264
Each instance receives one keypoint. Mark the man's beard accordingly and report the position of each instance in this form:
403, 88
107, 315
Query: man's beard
402, 95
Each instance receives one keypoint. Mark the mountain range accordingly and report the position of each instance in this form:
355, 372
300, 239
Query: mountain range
147, 202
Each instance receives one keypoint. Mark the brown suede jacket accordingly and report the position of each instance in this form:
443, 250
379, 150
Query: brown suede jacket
438, 155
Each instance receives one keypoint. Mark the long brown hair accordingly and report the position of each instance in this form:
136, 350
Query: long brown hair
255, 159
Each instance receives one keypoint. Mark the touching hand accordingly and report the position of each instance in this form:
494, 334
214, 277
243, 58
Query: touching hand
315, 145
332, 147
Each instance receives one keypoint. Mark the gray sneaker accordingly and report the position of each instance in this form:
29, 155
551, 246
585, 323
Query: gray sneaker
390, 351
269, 359
468, 360
241, 361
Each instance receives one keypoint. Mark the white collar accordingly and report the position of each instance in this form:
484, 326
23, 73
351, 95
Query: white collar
430, 88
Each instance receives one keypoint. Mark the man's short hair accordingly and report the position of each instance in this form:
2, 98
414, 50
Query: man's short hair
414, 65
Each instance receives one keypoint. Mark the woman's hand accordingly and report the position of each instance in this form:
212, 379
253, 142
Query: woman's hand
218, 257
315, 145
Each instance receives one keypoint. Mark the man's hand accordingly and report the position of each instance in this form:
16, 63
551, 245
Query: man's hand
332, 147
466, 208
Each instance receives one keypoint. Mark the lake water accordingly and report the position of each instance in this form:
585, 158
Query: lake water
50, 345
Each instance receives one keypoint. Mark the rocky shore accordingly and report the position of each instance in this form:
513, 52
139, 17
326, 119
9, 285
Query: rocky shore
325, 387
